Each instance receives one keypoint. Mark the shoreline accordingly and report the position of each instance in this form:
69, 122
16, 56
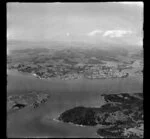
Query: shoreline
114, 122
65, 79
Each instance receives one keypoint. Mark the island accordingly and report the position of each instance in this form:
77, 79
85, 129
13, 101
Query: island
31, 99
121, 116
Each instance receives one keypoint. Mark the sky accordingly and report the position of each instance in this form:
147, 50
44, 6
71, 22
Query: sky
111, 22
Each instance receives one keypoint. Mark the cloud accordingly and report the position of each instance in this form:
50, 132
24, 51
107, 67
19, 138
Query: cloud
116, 33
110, 33
94, 32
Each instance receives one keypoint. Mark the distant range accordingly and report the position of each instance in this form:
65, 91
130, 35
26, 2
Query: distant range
18, 44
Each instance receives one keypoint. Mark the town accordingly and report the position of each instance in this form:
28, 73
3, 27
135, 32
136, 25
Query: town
69, 72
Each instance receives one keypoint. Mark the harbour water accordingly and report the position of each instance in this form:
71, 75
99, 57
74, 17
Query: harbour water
63, 95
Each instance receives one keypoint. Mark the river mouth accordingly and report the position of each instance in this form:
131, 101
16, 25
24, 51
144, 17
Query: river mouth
64, 95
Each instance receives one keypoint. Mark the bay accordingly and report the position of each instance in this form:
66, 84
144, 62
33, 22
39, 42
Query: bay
63, 95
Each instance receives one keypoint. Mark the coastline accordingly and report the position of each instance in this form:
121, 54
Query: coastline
72, 125
120, 117
66, 79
